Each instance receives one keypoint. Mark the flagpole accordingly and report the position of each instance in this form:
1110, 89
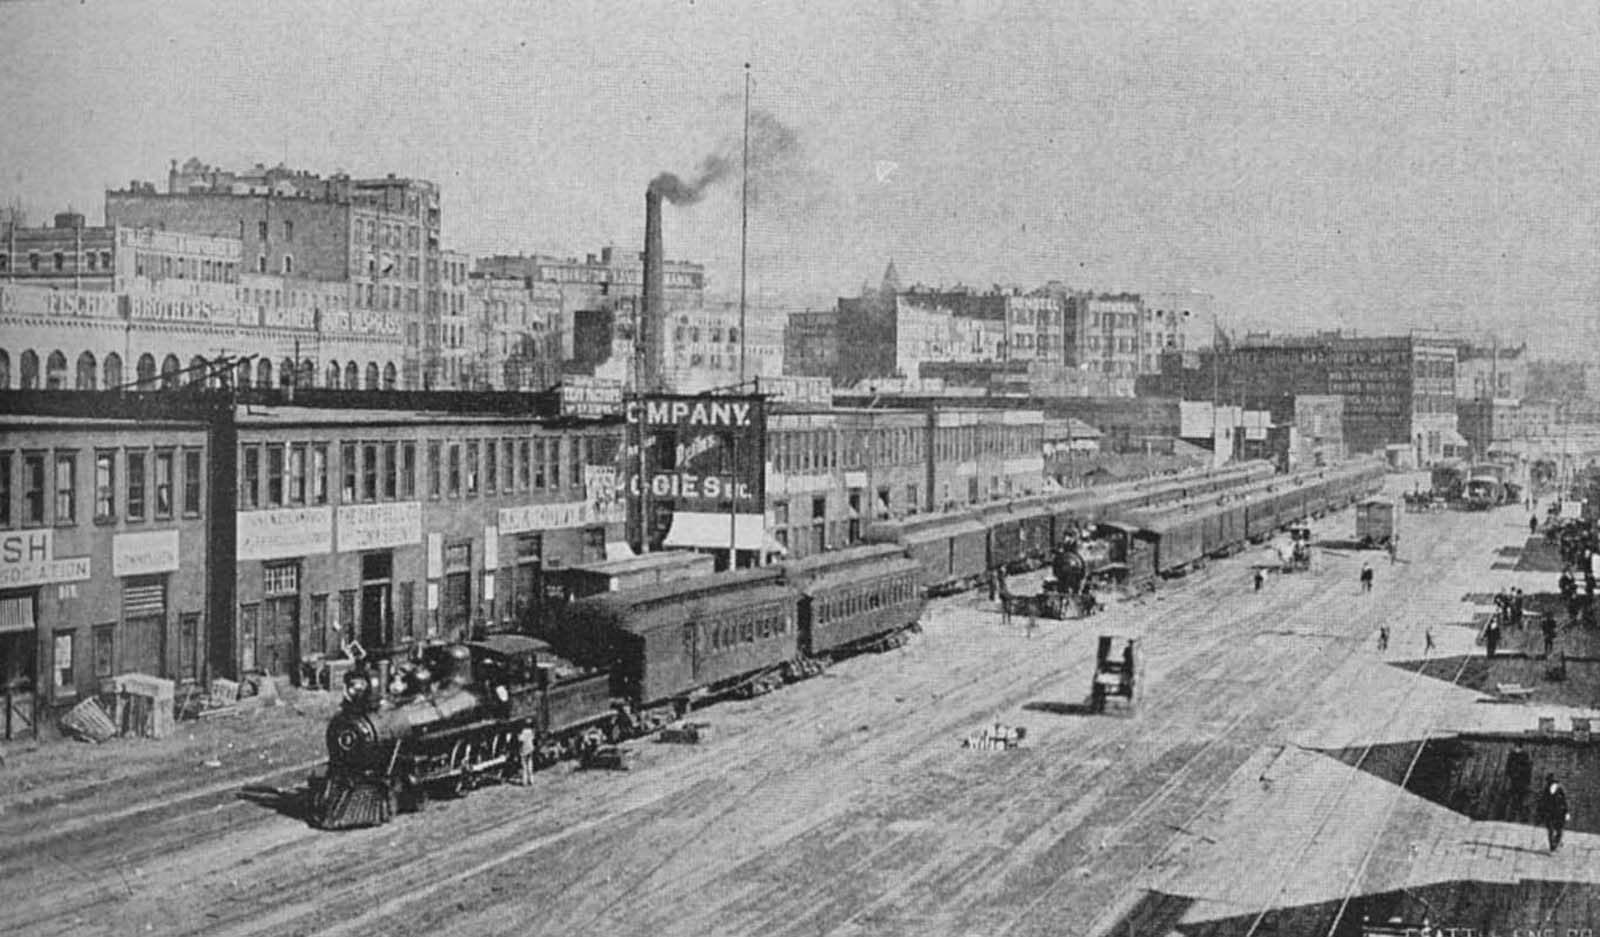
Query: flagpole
744, 225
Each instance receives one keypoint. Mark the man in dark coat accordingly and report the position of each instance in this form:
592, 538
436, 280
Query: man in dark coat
1519, 775
1553, 810
1491, 637
1366, 577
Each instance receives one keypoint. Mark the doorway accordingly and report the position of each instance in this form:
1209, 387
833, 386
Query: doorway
377, 612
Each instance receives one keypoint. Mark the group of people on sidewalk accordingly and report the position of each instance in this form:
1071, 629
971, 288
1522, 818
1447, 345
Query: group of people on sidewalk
1552, 810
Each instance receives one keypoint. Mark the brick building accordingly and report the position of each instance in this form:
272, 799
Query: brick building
378, 238
1397, 390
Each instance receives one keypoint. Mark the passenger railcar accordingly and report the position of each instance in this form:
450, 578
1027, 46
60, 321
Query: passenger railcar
672, 643
852, 599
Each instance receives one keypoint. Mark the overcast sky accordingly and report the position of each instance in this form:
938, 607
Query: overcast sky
1310, 164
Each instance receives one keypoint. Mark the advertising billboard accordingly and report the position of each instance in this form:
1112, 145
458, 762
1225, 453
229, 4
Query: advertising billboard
703, 464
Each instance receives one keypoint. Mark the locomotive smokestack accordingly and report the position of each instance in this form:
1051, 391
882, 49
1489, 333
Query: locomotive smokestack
651, 330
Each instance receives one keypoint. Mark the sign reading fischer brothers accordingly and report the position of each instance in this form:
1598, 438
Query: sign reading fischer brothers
702, 454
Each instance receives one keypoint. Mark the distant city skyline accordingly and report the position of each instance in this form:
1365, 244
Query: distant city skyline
1363, 168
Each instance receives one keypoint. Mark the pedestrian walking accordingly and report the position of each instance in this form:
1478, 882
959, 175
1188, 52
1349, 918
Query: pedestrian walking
1554, 811
1491, 638
1366, 577
1549, 636
1383, 638
1427, 640
1393, 548
1533, 525
1519, 776
1261, 578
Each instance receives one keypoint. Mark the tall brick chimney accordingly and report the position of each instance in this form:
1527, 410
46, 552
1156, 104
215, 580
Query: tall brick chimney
652, 327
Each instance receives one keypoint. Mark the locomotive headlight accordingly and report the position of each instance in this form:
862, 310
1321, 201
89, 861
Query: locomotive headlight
501, 694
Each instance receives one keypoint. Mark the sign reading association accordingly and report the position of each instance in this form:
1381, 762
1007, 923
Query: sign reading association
702, 453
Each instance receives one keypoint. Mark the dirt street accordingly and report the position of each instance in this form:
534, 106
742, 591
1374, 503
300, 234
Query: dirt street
842, 805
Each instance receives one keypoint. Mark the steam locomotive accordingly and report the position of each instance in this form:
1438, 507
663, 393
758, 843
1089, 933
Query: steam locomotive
442, 718
450, 716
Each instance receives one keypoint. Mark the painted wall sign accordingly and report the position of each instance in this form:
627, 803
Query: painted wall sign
142, 554
376, 526
289, 532
27, 558
527, 517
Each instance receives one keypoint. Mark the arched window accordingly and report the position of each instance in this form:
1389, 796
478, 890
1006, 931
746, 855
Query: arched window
197, 367
390, 376
147, 371
333, 375
113, 371
288, 264
244, 375
264, 374
88, 374
352, 376
170, 366
372, 375
308, 373
286, 372
55, 371
28, 370
5, 367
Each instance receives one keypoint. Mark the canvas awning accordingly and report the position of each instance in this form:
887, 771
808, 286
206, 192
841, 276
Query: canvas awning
618, 551
1452, 438
702, 530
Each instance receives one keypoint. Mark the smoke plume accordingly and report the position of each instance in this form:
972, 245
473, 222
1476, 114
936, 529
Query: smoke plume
777, 165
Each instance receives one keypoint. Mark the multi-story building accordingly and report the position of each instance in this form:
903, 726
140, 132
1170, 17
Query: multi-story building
188, 536
1104, 333
106, 258
1175, 320
611, 281
705, 347
378, 238
65, 339
1491, 373
1399, 391
811, 343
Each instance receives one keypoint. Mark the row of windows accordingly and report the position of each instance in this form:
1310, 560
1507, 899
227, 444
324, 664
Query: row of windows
723, 635
276, 475
92, 260
90, 374
859, 602
166, 266
39, 488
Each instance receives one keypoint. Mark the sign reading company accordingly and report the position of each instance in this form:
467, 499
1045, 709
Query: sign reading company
701, 453
290, 532
27, 558
529, 517
376, 526
142, 554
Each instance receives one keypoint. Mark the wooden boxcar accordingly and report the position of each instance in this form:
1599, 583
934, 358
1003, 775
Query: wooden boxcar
951, 549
